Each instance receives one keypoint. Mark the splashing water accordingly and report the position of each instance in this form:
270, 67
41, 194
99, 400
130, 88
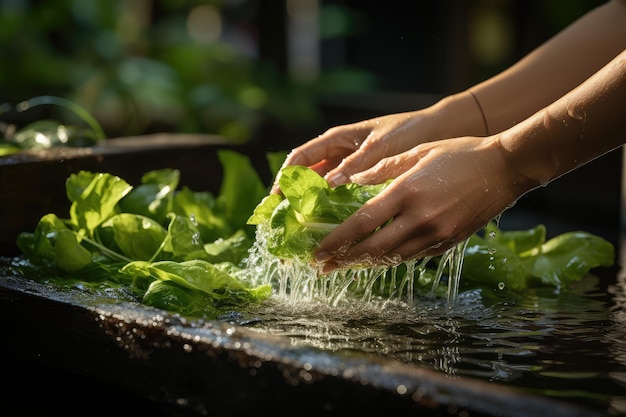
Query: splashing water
299, 280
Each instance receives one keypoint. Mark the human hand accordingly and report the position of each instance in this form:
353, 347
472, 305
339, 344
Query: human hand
345, 150
443, 192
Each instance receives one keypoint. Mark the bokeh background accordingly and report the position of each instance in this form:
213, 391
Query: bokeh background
278, 72
237, 67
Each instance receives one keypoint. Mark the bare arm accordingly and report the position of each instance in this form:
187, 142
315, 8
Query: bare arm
582, 125
344, 153
554, 68
446, 190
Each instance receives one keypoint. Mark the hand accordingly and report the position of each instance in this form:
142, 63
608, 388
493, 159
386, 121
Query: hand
443, 192
345, 150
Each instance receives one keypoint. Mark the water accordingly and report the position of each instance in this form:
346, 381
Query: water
300, 279
569, 345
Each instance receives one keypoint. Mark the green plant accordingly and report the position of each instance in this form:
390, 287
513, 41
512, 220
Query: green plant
137, 68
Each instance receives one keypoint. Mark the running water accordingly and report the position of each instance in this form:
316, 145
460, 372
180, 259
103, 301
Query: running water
299, 280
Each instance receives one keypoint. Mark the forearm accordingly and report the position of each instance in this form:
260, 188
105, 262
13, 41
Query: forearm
455, 115
585, 123
554, 68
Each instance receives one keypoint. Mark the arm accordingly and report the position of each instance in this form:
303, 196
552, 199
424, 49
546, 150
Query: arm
489, 107
447, 190
554, 68
582, 125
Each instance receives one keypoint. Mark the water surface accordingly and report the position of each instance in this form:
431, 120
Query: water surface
569, 345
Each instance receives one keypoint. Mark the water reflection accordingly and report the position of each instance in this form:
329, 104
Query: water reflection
570, 345
616, 337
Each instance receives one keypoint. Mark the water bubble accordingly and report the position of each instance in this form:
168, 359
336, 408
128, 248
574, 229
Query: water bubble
501, 285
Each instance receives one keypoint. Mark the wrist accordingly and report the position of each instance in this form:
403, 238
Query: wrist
528, 150
461, 115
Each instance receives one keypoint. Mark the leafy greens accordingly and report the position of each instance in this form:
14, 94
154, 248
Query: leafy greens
176, 248
307, 211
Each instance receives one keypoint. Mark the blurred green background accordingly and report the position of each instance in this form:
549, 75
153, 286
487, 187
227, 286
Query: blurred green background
274, 71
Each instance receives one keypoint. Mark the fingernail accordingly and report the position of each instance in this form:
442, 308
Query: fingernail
336, 179
329, 267
323, 256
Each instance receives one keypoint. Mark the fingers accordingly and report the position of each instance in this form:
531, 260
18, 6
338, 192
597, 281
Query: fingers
378, 158
377, 149
361, 159
341, 241
325, 152
387, 168
333, 145
391, 245
344, 151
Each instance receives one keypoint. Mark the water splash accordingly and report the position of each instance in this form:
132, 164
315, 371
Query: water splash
300, 280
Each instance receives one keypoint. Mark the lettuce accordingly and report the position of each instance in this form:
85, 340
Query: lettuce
307, 211
176, 249
520, 259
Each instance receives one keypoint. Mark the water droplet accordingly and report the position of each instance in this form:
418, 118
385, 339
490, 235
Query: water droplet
501, 285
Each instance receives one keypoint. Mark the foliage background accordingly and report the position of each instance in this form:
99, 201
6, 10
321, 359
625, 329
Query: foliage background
220, 66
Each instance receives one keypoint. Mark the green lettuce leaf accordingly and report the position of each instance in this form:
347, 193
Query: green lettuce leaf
154, 196
202, 207
521, 259
94, 198
307, 210
196, 287
136, 236
242, 189
54, 244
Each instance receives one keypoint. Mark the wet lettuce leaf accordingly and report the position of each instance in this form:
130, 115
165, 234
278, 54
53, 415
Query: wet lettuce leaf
307, 210
521, 259
94, 198
156, 238
154, 197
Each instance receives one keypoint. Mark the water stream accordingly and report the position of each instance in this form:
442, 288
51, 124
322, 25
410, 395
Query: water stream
300, 280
